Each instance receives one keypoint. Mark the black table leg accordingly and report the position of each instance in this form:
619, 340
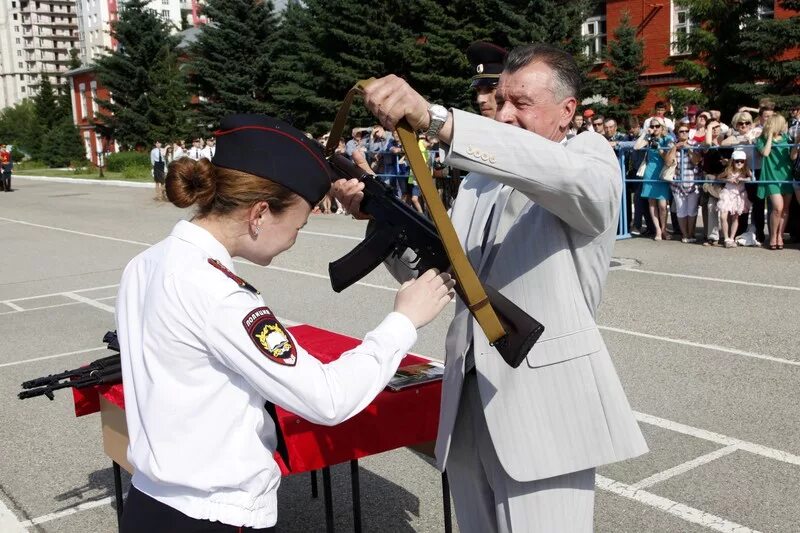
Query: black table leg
326, 489
448, 523
314, 491
118, 491
356, 489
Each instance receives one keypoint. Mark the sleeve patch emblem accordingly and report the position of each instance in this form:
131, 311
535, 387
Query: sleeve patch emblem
270, 337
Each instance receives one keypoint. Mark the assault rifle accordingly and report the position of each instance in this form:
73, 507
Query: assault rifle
399, 227
106, 370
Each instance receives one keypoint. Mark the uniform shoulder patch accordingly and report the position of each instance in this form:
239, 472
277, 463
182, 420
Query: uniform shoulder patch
239, 281
270, 337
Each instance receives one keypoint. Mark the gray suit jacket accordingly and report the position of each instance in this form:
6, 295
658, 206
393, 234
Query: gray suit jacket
563, 410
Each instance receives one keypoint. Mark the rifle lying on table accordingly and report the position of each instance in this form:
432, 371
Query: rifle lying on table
102, 371
399, 227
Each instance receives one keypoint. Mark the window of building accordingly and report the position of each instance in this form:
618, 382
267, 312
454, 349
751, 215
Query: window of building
22, 89
681, 27
165, 13
19, 65
594, 34
766, 10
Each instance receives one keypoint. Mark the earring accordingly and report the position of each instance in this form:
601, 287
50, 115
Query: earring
257, 230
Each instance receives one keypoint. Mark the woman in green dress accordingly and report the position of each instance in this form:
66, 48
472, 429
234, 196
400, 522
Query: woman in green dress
775, 146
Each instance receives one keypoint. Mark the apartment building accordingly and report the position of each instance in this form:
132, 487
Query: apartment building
36, 37
95, 18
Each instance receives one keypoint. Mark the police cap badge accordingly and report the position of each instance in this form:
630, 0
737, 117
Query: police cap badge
487, 62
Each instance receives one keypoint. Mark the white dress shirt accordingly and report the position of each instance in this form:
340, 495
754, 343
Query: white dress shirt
196, 380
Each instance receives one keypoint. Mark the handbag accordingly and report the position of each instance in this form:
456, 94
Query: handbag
668, 172
640, 171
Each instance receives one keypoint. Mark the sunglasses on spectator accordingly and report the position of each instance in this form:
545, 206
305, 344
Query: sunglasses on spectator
683, 131
656, 126
743, 123
739, 162
597, 123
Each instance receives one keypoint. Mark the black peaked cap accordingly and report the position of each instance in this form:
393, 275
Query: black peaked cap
272, 149
487, 62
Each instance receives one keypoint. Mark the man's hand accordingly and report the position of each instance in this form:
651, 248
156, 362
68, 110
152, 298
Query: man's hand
391, 99
349, 193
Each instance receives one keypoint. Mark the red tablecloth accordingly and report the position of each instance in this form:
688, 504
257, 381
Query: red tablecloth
392, 420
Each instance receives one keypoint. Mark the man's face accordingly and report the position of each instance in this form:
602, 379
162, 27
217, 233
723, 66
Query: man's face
610, 128
765, 114
597, 125
525, 99
661, 111
158, 144
578, 121
484, 97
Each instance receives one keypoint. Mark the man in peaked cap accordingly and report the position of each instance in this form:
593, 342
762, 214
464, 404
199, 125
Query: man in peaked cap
487, 64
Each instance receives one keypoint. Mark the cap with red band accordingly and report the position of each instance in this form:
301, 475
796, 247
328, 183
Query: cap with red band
272, 149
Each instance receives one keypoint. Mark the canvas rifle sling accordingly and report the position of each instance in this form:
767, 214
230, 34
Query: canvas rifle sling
470, 286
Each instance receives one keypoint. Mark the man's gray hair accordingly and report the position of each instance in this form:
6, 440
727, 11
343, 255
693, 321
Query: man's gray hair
566, 74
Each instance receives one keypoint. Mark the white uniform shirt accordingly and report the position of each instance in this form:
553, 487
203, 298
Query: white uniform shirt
196, 379
208, 152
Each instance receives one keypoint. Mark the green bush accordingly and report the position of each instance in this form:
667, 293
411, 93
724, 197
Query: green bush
31, 164
122, 160
136, 172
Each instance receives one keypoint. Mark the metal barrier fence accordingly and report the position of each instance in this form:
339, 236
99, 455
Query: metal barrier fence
624, 151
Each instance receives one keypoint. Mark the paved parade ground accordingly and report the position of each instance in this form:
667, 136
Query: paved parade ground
705, 340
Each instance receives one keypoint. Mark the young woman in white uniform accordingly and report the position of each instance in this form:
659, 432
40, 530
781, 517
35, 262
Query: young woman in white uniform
202, 351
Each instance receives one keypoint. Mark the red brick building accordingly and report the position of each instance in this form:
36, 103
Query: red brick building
657, 22
85, 89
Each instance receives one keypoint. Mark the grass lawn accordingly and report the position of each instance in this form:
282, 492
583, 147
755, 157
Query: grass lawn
83, 174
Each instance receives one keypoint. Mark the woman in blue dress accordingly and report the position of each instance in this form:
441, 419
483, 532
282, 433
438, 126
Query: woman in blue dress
657, 141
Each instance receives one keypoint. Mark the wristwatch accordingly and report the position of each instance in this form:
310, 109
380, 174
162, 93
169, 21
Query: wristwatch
438, 117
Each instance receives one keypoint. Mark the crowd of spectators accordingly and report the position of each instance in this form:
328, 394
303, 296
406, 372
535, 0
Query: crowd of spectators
379, 152
697, 165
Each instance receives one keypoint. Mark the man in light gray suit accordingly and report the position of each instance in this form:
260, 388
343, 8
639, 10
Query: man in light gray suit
537, 216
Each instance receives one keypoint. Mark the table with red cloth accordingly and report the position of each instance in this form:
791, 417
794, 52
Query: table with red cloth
394, 419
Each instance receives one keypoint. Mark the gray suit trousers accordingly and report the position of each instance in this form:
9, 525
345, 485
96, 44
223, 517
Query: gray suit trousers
488, 500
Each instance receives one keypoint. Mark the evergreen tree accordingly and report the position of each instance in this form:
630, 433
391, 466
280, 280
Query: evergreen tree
126, 72
766, 47
346, 42
625, 64
736, 58
45, 104
230, 61
169, 113
62, 145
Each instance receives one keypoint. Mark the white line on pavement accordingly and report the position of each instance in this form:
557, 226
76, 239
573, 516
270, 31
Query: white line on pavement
56, 356
66, 512
89, 301
758, 449
684, 512
9, 522
683, 467
84, 234
701, 345
704, 278
348, 237
29, 309
59, 293
14, 306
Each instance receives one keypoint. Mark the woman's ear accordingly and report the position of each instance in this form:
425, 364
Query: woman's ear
257, 215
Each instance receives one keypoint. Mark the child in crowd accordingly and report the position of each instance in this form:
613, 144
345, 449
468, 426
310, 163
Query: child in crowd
733, 197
